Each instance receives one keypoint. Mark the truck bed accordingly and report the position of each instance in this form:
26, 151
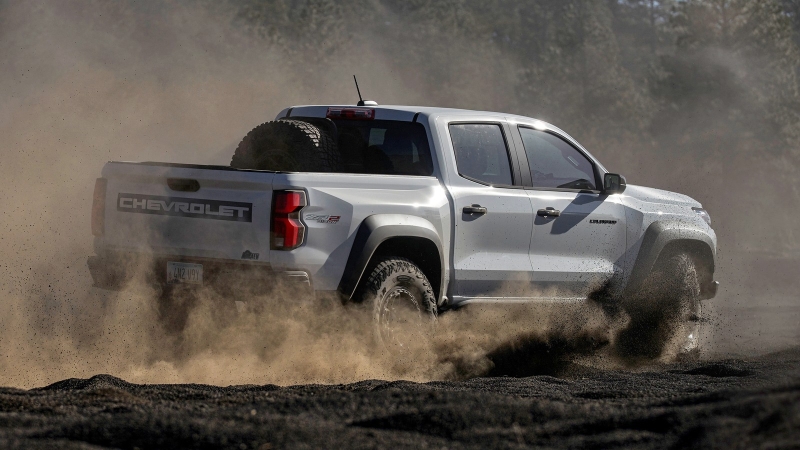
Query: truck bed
217, 215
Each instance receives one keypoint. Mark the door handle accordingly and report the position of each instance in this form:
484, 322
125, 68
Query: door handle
475, 209
548, 212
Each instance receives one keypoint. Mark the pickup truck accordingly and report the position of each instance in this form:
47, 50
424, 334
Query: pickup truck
414, 209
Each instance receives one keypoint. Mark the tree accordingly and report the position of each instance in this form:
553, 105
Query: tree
732, 80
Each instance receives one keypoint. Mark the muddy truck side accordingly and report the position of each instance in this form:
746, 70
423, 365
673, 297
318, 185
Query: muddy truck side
410, 208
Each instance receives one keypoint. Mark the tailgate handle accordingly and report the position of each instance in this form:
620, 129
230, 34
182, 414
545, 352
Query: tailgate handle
183, 184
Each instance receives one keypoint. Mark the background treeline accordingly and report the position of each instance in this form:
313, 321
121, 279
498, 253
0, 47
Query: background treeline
700, 96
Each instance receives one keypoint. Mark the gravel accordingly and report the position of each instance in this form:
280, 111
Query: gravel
753, 403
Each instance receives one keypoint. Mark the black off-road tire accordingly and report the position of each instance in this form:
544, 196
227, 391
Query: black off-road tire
403, 304
665, 316
287, 146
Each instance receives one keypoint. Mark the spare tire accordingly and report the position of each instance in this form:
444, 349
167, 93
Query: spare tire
287, 146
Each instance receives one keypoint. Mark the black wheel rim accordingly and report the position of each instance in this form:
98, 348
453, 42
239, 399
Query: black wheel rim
693, 327
400, 317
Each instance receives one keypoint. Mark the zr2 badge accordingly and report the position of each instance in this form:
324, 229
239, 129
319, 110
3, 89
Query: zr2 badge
322, 218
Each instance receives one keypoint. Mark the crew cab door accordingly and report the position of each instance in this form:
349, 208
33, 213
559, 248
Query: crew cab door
492, 213
578, 237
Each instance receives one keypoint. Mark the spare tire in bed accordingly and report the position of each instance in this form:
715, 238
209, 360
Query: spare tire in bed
288, 146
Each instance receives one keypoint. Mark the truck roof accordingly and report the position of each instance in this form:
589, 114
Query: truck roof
394, 112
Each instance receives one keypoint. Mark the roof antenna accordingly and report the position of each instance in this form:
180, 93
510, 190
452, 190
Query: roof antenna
361, 101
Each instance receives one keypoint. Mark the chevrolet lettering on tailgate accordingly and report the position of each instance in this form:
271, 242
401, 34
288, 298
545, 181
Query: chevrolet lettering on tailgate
185, 207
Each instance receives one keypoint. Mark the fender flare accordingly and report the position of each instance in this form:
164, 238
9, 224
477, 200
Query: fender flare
657, 236
375, 230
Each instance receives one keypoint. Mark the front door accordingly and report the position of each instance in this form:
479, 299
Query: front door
578, 238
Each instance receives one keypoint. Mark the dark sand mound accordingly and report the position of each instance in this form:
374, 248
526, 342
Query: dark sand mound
725, 403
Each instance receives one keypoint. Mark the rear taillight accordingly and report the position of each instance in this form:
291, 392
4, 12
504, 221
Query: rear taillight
288, 231
99, 207
351, 113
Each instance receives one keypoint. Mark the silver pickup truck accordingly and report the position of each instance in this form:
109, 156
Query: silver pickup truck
416, 208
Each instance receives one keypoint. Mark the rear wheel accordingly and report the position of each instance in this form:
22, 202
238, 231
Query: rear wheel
665, 316
403, 304
287, 145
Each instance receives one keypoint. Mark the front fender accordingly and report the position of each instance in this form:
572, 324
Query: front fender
657, 237
375, 230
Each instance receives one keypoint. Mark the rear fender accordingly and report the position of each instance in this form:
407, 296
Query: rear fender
374, 231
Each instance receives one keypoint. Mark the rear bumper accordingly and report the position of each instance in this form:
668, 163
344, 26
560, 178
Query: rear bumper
116, 271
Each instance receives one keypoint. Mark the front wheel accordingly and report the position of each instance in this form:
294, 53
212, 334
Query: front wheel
665, 315
403, 304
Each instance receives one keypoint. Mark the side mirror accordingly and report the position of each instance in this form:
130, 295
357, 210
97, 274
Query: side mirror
614, 183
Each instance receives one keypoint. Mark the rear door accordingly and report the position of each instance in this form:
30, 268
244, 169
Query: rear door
493, 216
578, 237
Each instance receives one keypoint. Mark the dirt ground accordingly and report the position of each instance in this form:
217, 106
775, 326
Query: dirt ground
753, 403
743, 393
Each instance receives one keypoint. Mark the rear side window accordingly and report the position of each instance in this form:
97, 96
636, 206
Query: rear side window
481, 153
386, 147
554, 163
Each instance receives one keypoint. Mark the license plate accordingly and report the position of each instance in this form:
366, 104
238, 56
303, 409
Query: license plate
178, 272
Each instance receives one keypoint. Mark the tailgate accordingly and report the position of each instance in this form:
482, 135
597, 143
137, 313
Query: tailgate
187, 210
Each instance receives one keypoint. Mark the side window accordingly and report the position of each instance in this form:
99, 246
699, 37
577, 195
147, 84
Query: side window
554, 163
481, 152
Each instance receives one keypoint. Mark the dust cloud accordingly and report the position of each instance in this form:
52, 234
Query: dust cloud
92, 81
281, 340
86, 83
